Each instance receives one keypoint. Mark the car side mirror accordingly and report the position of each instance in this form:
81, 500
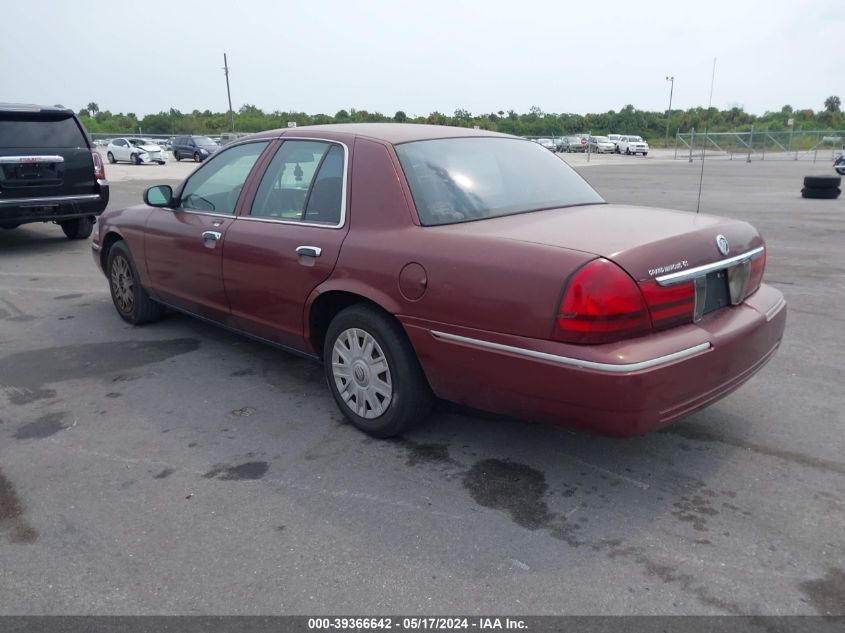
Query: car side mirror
158, 196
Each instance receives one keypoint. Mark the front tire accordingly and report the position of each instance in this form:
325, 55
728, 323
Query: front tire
840, 171
136, 159
78, 228
176, 156
197, 157
131, 301
373, 372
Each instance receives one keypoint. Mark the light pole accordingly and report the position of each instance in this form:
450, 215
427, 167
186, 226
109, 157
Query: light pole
671, 80
229, 94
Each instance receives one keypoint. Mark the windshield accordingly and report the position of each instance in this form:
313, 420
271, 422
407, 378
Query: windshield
462, 179
636, 139
204, 141
602, 139
139, 141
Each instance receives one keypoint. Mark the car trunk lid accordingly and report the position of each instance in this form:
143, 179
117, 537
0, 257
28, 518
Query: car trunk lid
646, 242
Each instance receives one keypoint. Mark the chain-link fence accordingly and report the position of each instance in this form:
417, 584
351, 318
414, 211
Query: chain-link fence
807, 145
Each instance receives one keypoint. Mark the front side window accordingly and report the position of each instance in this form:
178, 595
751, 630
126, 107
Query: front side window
304, 183
462, 179
215, 186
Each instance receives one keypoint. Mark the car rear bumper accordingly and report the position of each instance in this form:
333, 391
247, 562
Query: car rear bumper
618, 389
21, 210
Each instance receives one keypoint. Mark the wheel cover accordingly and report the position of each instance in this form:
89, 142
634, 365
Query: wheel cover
122, 284
361, 373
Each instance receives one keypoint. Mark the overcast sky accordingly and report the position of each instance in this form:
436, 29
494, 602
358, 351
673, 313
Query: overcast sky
321, 56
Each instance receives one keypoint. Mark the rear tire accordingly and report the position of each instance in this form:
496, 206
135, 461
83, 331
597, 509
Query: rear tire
110, 158
373, 372
822, 182
78, 228
840, 171
131, 301
176, 156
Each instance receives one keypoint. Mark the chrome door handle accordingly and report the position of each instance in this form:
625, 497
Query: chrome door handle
310, 251
212, 235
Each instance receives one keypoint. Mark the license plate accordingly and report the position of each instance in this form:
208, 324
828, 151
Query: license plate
718, 293
29, 171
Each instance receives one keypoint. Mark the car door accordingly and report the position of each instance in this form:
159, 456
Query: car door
184, 244
287, 239
179, 146
118, 149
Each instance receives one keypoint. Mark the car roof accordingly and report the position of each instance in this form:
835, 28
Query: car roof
32, 108
393, 133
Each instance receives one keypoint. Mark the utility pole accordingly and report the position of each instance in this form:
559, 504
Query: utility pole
671, 80
228, 92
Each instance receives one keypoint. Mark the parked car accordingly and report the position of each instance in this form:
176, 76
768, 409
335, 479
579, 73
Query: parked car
577, 143
367, 247
614, 138
548, 143
49, 171
191, 146
228, 137
632, 145
601, 145
135, 150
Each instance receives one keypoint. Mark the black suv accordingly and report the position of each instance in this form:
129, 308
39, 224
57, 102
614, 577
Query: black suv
191, 146
48, 170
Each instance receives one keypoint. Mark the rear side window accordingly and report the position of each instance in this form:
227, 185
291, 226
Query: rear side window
463, 179
29, 131
304, 183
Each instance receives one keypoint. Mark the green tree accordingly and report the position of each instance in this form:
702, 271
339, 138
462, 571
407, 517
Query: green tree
400, 117
832, 104
93, 109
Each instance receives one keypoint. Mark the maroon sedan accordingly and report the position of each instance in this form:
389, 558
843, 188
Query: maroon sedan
419, 261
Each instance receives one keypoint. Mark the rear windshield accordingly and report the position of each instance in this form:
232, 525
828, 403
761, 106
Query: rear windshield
463, 179
27, 130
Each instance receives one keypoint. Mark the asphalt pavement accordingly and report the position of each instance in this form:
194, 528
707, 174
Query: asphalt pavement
176, 468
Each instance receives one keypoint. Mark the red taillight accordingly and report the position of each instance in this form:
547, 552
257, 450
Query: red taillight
601, 304
755, 275
99, 169
669, 305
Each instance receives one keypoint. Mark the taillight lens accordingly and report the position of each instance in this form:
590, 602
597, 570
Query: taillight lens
669, 305
601, 304
99, 169
755, 275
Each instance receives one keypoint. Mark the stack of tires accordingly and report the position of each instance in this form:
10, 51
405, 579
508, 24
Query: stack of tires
821, 187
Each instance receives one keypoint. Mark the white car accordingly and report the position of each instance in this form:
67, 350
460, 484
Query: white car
547, 143
632, 145
601, 145
614, 138
136, 150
